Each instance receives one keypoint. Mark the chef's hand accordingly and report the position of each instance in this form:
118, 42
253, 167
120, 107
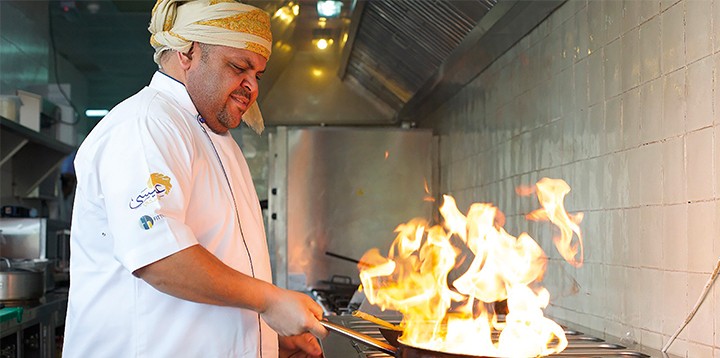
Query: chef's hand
290, 313
300, 346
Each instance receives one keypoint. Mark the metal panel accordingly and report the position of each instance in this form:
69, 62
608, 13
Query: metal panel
347, 190
277, 223
23, 238
400, 44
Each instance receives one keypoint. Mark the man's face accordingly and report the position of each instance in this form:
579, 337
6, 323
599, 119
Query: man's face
223, 82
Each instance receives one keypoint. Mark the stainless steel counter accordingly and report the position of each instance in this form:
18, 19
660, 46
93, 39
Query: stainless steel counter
38, 330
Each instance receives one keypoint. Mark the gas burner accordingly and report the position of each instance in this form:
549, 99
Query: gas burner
335, 294
332, 302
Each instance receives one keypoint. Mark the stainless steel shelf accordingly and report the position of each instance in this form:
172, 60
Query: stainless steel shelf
39, 332
33, 155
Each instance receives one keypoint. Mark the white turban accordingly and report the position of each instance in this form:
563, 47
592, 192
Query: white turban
176, 24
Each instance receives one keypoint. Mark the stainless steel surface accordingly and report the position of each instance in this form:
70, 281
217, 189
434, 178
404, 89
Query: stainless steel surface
579, 343
33, 156
400, 44
23, 238
345, 191
363, 338
496, 32
277, 206
21, 285
39, 332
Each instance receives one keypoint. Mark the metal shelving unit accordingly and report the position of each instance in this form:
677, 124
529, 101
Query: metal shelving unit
34, 155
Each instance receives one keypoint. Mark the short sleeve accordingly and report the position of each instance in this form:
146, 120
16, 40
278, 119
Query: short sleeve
145, 177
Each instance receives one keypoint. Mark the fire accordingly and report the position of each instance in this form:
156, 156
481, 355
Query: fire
445, 279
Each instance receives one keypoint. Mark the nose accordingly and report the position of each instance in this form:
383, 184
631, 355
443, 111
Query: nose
250, 85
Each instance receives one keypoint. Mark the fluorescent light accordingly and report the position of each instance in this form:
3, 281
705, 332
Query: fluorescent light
96, 112
329, 8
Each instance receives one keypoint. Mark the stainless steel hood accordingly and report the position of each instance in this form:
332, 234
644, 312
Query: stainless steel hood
399, 45
414, 55
397, 60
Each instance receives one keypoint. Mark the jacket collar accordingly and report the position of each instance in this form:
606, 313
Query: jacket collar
175, 89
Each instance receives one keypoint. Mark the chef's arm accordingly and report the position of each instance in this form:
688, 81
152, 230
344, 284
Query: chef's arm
194, 274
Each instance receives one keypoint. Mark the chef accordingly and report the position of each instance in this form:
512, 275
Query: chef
169, 257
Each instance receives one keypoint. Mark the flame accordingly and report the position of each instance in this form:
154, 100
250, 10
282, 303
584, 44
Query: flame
444, 279
551, 193
428, 197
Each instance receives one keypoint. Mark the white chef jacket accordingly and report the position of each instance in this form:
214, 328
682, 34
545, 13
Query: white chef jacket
154, 180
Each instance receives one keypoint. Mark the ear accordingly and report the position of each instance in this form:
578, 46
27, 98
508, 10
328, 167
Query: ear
185, 59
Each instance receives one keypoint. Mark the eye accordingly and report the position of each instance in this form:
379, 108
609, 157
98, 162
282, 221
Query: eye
258, 78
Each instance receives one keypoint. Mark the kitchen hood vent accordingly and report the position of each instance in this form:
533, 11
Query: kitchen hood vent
415, 55
400, 44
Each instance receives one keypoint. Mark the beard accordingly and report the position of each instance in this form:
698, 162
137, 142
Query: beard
252, 116
226, 119
223, 111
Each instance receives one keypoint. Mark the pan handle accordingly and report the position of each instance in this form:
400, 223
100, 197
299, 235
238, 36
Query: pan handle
341, 257
359, 337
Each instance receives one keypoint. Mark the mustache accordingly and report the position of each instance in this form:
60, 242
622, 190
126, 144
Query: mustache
243, 93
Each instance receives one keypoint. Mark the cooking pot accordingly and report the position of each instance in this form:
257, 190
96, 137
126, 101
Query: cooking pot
22, 280
18, 284
401, 351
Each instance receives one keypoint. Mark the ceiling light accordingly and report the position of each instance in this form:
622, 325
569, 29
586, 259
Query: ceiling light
329, 8
287, 13
322, 38
322, 44
96, 112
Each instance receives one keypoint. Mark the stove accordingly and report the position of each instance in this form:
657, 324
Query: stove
336, 295
579, 343
333, 302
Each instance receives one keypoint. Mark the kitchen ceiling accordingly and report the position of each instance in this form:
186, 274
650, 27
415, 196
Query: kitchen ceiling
390, 55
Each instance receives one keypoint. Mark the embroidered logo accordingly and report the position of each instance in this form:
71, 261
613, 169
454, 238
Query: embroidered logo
158, 186
146, 222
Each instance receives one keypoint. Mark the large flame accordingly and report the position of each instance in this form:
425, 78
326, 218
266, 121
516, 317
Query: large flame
445, 279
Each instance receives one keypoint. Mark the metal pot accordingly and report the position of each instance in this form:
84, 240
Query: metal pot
21, 285
22, 280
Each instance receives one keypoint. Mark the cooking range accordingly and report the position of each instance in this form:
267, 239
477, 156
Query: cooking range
580, 343
335, 295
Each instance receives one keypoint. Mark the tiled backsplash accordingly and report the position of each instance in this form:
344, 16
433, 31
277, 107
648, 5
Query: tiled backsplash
622, 100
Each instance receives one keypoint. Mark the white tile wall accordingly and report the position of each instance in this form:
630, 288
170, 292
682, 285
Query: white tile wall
699, 94
651, 94
699, 164
716, 26
673, 37
622, 100
674, 104
698, 31
675, 237
650, 41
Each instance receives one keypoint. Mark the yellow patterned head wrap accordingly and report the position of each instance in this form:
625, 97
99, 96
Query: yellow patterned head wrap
176, 24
